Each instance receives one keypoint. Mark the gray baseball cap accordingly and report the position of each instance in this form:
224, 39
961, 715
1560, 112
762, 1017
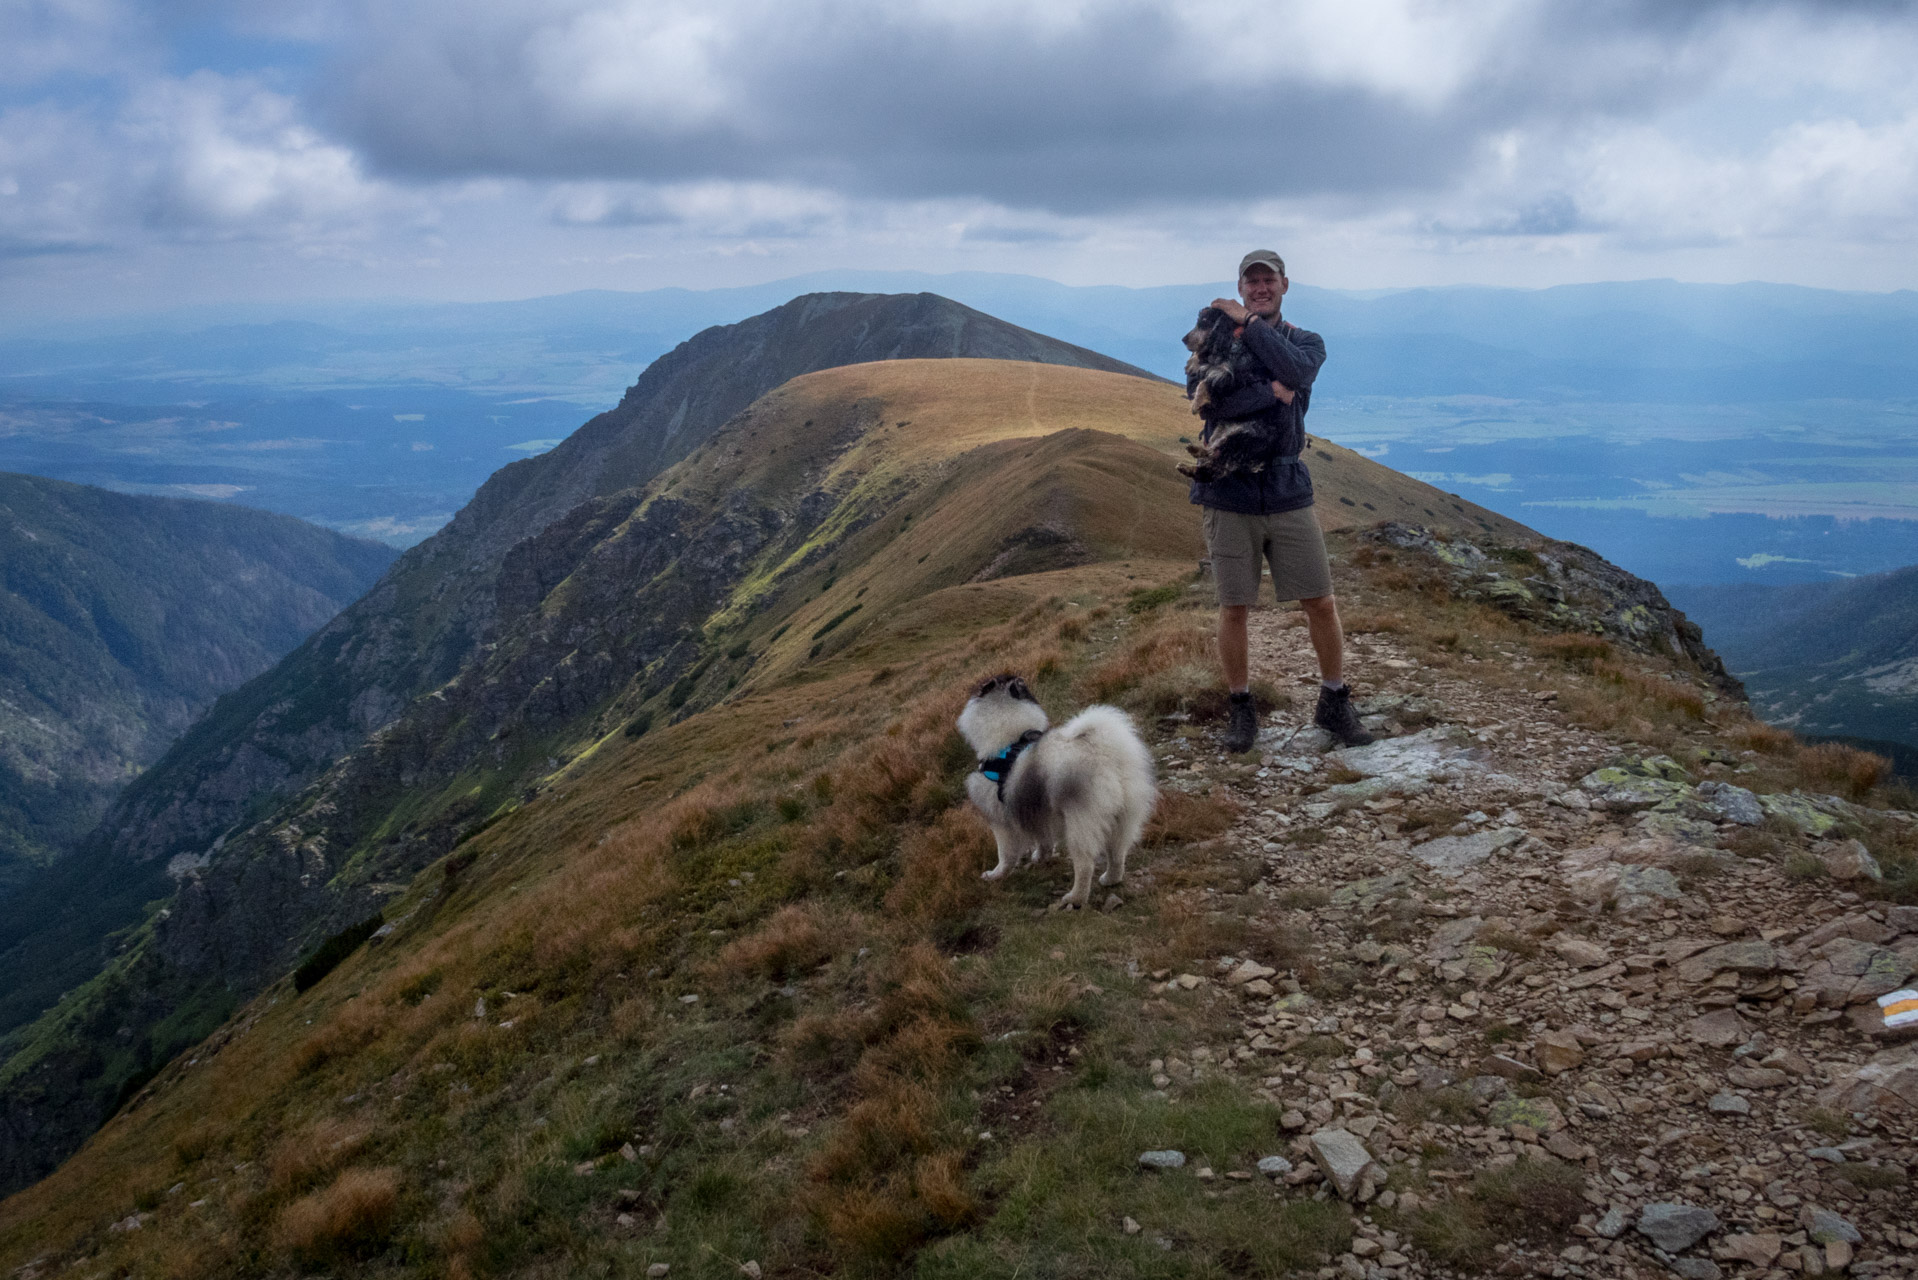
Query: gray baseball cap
1262, 257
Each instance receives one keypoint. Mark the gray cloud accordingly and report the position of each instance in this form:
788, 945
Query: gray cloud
1126, 108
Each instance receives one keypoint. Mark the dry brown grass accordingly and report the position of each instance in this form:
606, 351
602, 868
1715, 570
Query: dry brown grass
794, 940
1535, 1200
1168, 643
1636, 703
301, 1159
1580, 652
1185, 818
353, 1213
1360, 622
1832, 766
889, 1177
352, 1027
939, 869
1188, 935
1756, 735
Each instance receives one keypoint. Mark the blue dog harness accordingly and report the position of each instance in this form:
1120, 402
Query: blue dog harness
998, 768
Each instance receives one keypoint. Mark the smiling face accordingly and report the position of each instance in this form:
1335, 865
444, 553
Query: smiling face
1260, 288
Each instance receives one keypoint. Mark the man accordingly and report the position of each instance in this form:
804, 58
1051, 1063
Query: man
1266, 517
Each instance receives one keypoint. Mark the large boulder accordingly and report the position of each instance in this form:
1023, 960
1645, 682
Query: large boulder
1887, 1083
1455, 855
1852, 861
1676, 1227
1749, 957
1347, 1165
1847, 971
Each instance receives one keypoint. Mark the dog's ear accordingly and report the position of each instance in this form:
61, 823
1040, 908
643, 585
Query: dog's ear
986, 686
1019, 691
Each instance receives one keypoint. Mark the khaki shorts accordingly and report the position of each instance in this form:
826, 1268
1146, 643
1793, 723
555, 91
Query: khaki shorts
1290, 542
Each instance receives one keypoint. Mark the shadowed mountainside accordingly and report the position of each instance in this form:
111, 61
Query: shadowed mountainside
1830, 659
121, 619
435, 608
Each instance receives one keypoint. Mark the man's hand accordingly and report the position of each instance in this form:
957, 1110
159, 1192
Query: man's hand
1283, 392
1233, 310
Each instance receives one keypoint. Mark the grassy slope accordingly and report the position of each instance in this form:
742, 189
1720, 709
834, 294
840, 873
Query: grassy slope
594, 904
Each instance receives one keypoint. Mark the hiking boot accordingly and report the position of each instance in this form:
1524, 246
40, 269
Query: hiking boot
1336, 716
1242, 730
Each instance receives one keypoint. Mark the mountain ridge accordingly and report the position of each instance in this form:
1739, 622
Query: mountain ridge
781, 542
721, 984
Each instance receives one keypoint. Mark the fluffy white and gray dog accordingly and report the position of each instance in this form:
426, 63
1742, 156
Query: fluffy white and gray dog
1087, 785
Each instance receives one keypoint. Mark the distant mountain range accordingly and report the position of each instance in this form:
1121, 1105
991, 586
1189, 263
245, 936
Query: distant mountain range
121, 620
1626, 342
1828, 659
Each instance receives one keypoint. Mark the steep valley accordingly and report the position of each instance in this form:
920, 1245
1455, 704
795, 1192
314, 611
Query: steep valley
1835, 659
641, 920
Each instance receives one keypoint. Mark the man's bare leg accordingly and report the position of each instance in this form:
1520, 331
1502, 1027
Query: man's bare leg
1334, 713
1233, 647
1328, 637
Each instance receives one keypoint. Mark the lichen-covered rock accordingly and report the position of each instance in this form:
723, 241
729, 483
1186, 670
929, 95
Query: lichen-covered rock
1826, 1227
1622, 790
1369, 893
1540, 1114
1569, 588
1847, 971
1733, 804
1806, 818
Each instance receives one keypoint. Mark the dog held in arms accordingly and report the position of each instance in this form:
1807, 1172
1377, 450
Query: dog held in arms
1210, 375
1087, 785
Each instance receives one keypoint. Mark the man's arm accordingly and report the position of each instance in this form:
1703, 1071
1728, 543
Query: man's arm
1293, 360
1255, 399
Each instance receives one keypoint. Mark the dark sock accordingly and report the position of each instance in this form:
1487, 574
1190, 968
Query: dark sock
1332, 685
1243, 695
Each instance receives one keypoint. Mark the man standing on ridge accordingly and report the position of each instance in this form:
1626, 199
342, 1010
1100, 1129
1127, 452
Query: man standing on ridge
1266, 517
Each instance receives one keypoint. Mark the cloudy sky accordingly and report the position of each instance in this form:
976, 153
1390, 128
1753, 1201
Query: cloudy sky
159, 151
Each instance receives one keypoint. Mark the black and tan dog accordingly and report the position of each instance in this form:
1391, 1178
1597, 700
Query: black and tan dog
1211, 374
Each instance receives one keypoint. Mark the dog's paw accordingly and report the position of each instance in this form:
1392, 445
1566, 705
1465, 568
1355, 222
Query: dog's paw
1068, 904
1108, 879
997, 873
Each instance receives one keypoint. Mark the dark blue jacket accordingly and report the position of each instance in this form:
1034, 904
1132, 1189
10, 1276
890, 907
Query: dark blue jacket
1280, 352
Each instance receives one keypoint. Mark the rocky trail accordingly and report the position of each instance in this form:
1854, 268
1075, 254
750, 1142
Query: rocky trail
1495, 937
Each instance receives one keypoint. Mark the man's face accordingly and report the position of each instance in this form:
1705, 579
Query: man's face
1260, 288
